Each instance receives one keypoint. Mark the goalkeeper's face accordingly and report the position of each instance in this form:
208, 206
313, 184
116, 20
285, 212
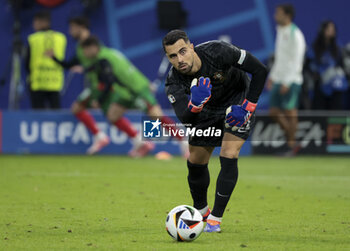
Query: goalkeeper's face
181, 55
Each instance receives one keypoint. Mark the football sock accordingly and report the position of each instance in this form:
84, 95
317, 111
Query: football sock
169, 124
204, 210
125, 126
198, 180
225, 184
85, 117
136, 141
100, 135
214, 218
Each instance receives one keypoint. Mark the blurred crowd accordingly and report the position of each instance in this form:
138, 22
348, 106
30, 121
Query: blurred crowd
326, 71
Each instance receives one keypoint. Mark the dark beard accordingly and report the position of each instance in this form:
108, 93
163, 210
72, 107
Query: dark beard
187, 70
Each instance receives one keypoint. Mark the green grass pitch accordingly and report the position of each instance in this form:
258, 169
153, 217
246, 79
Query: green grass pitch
116, 203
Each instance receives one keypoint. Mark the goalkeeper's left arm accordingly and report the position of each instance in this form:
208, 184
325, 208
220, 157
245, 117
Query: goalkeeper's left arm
239, 115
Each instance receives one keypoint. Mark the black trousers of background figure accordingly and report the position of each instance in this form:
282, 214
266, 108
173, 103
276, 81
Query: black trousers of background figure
45, 99
332, 102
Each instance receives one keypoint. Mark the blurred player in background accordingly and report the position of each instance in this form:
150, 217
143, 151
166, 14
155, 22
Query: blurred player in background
46, 78
206, 82
119, 86
286, 74
79, 30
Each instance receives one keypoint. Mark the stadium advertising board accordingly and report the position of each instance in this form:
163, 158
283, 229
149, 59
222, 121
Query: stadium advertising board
338, 134
319, 134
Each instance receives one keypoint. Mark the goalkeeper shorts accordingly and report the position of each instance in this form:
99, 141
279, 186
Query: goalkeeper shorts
214, 141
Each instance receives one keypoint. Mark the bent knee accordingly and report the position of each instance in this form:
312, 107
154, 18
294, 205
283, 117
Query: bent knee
155, 111
77, 107
230, 153
198, 158
112, 117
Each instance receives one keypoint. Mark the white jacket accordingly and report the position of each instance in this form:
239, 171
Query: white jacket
289, 56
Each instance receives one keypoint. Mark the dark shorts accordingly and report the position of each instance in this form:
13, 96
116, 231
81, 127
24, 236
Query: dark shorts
45, 99
142, 100
215, 141
289, 101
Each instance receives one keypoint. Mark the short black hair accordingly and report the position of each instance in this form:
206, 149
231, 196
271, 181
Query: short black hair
81, 21
92, 40
288, 9
173, 36
43, 15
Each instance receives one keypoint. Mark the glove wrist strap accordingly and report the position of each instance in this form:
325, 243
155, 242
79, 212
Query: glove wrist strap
249, 106
193, 108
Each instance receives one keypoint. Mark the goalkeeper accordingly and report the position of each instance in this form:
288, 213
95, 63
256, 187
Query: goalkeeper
204, 82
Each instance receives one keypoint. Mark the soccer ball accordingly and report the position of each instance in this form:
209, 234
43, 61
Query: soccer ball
233, 128
184, 223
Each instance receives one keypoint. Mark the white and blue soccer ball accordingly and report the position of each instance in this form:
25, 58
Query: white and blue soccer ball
184, 223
